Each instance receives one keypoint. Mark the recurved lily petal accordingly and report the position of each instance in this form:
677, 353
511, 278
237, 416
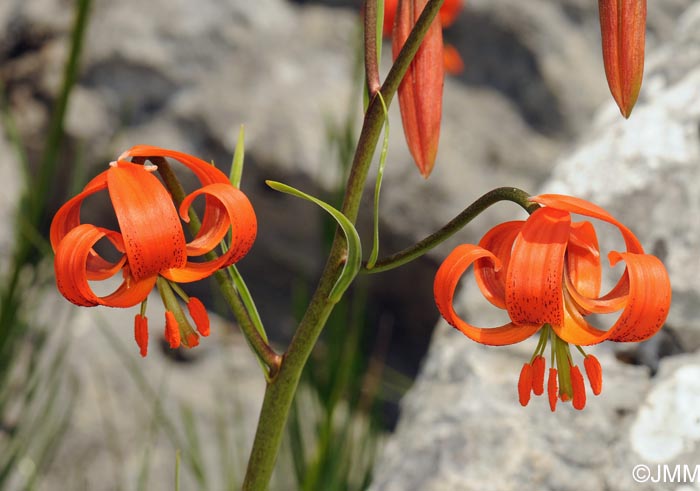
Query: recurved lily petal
645, 310
583, 260
534, 277
649, 297
614, 299
147, 219
446, 281
241, 219
622, 27
68, 216
420, 92
585, 208
205, 172
232, 204
72, 276
491, 281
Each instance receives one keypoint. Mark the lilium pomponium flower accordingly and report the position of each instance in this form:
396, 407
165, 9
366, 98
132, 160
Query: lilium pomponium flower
150, 242
546, 273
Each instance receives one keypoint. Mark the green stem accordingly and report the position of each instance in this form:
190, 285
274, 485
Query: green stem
415, 251
258, 343
371, 59
280, 389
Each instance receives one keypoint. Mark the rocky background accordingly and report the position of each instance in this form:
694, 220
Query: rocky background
531, 110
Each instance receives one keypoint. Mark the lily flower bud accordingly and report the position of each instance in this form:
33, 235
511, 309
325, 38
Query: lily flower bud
622, 28
420, 92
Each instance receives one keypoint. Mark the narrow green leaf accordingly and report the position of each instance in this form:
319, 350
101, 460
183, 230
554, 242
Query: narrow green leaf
380, 29
238, 156
377, 186
353, 260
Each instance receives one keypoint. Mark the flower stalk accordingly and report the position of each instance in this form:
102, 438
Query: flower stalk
282, 386
415, 251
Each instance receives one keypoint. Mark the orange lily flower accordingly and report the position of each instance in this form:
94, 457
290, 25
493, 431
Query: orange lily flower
151, 242
546, 273
622, 28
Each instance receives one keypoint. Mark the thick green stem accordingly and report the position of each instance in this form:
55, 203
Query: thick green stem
453, 226
281, 389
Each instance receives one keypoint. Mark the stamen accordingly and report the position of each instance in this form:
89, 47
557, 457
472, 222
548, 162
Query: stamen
594, 372
538, 375
563, 361
199, 315
579, 396
141, 333
192, 340
172, 331
525, 384
552, 388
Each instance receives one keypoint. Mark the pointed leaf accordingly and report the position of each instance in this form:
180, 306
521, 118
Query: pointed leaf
353, 260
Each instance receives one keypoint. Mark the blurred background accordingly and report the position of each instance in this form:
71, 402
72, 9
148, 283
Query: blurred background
80, 410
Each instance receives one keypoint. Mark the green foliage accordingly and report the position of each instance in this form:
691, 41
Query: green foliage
35, 397
334, 428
